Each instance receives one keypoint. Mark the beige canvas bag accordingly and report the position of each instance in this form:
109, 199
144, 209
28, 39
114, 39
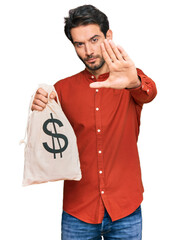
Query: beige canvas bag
51, 151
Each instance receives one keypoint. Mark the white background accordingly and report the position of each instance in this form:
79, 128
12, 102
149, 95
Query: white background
33, 50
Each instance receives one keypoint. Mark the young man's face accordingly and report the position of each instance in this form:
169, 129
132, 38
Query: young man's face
87, 40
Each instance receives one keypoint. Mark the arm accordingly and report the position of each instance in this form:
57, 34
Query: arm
146, 92
124, 75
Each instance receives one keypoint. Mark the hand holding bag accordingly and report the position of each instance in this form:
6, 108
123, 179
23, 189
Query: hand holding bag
51, 152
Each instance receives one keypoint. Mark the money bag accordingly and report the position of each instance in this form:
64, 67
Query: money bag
51, 152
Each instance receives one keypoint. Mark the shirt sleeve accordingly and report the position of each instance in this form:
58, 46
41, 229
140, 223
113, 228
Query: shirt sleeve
146, 92
58, 90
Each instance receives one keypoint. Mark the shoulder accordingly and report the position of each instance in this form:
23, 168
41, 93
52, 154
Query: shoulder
69, 80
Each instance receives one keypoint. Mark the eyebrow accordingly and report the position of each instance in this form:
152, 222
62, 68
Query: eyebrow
94, 37
89, 39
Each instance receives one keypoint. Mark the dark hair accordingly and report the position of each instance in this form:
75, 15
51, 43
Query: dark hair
84, 15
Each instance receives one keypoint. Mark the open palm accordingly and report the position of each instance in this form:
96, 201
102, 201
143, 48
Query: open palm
123, 73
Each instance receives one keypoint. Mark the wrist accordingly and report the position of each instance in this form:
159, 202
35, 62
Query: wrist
135, 84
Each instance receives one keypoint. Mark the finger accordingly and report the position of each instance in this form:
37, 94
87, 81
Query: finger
41, 98
39, 103
36, 107
42, 92
123, 53
111, 52
52, 95
106, 57
115, 50
104, 84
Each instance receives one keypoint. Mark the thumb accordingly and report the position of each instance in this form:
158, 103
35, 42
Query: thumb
104, 84
52, 95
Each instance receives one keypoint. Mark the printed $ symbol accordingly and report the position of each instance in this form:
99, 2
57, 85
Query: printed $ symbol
54, 135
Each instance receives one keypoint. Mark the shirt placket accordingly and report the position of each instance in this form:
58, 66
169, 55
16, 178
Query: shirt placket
100, 153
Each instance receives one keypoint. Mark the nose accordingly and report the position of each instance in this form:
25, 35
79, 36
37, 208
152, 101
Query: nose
88, 49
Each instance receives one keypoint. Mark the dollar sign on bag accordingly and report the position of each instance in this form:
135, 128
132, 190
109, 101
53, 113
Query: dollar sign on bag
54, 135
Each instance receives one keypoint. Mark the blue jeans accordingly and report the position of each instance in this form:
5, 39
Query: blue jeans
128, 228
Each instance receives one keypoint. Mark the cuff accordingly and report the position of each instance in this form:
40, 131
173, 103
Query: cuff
143, 87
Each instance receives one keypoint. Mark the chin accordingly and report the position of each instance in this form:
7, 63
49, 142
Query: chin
95, 67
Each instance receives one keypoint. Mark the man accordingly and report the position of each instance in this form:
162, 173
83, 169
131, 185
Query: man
103, 104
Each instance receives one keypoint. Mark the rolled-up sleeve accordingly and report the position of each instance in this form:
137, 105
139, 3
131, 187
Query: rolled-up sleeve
146, 92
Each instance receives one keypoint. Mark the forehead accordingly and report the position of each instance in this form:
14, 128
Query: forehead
85, 32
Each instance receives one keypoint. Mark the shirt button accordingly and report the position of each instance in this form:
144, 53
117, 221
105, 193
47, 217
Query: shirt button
92, 77
102, 192
100, 172
148, 90
96, 90
98, 130
97, 109
99, 151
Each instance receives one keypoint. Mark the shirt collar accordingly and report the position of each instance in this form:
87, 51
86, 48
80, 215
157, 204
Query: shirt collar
92, 78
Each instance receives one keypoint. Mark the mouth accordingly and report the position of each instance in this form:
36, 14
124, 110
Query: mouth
91, 60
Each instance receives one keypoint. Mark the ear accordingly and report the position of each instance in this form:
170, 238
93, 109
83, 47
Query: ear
109, 34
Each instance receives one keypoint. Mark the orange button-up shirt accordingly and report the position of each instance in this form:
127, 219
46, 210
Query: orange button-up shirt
106, 123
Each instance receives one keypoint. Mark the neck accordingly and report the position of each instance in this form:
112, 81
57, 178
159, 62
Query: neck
102, 70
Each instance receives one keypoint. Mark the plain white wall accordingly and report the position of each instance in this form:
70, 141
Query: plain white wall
34, 50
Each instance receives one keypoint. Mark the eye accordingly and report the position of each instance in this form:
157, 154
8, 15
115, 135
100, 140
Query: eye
94, 40
79, 44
